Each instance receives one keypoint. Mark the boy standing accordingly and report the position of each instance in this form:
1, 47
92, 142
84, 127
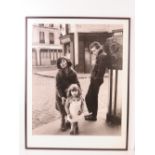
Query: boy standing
96, 80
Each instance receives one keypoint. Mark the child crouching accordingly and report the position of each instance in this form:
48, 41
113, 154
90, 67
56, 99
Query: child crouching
74, 107
65, 76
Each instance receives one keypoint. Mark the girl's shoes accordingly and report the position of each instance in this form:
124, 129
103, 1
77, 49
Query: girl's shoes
75, 130
63, 127
65, 124
68, 125
71, 132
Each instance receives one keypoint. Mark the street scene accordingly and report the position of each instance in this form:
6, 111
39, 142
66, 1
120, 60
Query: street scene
51, 42
46, 119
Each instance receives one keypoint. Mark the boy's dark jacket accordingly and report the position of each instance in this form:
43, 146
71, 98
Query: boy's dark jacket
63, 81
99, 69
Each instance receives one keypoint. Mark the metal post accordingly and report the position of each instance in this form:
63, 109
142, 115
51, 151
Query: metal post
110, 97
109, 114
111, 117
115, 99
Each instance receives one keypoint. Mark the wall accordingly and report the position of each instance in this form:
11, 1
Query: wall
119, 8
97, 28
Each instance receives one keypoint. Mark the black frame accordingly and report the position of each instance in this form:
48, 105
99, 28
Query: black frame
128, 80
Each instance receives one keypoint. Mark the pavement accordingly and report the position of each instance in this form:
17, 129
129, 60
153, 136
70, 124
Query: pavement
99, 127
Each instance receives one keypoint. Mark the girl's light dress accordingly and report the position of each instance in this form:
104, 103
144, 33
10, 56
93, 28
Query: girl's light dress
74, 108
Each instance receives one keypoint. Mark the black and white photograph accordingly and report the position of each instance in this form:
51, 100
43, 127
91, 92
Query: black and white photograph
77, 83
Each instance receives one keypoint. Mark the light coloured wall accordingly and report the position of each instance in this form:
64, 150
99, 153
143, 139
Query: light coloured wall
102, 8
94, 27
37, 29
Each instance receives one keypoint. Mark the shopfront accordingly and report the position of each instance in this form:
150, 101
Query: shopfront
84, 57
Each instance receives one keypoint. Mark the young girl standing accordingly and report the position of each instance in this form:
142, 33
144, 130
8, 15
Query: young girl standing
65, 76
74, 107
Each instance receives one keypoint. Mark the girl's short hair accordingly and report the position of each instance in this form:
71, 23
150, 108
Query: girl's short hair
69, 64
73, 87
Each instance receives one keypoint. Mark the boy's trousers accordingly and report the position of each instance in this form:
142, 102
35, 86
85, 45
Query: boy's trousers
92, 96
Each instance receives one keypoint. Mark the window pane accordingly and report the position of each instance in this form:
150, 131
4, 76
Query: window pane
51, 38
42, 37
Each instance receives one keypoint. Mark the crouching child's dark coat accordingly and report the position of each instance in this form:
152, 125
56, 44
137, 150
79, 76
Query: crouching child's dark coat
63, 81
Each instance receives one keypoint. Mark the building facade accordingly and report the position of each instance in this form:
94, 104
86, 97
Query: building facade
46, 47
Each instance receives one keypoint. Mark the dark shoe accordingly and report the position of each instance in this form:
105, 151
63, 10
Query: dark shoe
90, 118
77, 129
71, 132
68, 125
63, 128
63, 124
86, 116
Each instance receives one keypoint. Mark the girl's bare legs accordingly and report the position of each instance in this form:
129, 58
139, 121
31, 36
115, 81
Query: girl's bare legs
72, 128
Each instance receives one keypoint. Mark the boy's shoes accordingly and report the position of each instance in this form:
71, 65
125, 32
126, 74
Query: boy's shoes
90, 118
88, 115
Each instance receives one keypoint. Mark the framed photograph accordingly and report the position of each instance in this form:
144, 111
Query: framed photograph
77, 83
